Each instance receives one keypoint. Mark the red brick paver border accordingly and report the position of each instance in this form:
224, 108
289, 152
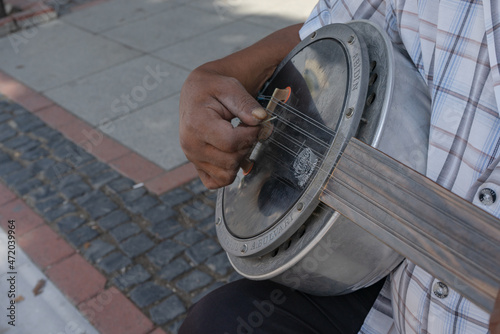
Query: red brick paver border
44, 246
172, 179
87, 5
26, 219
66, 275
22, 94
55, 116
77, 131
106, 149
6, 195
134, 166
34, 14
111, 312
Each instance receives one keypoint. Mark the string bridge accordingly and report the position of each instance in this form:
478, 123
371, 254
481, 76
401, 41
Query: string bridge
279, 95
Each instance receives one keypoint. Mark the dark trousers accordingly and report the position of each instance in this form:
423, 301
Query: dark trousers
257, 307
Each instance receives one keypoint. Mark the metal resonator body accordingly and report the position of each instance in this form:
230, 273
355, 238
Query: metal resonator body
346, 80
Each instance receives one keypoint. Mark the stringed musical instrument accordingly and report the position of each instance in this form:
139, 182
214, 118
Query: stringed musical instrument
285, 217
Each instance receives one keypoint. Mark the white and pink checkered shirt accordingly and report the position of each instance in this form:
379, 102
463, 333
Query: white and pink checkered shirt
456, 47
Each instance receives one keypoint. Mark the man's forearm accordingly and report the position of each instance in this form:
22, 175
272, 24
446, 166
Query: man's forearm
253, 65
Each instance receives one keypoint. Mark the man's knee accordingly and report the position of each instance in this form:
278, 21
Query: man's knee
239, 307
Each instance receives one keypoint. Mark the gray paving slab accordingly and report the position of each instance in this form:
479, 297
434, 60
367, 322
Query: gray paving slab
108, 15
160, 30
226, 10
233, 8
48, 312
273, 14
229, 38
57, 53
120, 89
277, 15
153, 132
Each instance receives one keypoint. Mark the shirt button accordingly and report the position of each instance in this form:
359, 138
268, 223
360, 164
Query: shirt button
487, 196
440, 290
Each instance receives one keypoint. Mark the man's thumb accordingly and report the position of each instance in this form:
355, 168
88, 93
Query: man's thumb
242, 105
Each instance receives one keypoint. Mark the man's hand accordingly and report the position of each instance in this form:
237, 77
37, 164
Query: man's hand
209, 101
218, 91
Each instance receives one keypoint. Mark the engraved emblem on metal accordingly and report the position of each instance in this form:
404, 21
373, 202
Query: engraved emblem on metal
304, 165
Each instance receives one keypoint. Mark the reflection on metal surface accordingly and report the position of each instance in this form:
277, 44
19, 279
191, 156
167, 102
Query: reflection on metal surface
314, 77
308, 119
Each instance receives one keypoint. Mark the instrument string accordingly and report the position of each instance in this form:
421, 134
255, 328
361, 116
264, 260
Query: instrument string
289, 167
294, 141
292, 153
286, 165
302, 131
287, 138
292, 183
297, 113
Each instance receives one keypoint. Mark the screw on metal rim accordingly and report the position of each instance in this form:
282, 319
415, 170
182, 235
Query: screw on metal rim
350, 112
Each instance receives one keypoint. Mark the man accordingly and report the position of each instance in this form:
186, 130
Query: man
455, 45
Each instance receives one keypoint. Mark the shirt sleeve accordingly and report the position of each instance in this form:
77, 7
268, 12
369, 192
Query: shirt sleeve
333, 11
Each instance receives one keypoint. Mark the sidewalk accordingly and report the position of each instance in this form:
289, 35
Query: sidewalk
49, 311
105, 203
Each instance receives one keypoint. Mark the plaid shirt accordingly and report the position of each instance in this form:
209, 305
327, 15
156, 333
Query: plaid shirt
456, 47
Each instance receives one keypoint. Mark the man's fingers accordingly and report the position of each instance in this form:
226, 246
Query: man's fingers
213, 177
206, 134
218, 169
240, 103
228, 139
207, 180
221, 160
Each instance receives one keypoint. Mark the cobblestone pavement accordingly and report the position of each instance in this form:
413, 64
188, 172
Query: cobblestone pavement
160, 251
